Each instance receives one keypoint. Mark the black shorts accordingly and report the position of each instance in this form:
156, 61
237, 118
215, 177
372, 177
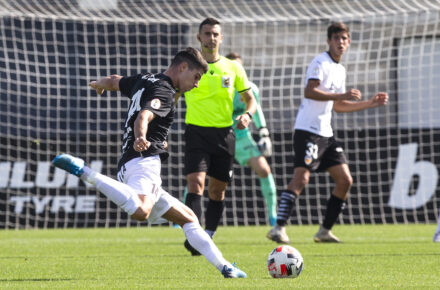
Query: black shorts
315, 152
210, 150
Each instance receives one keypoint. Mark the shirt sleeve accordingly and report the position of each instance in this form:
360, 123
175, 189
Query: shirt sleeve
315, 71
241, 83
158, 99
259, 119
127, 83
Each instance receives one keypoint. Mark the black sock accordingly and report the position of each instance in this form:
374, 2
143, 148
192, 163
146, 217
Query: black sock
334, 208
194, 202
213, 214
286, 207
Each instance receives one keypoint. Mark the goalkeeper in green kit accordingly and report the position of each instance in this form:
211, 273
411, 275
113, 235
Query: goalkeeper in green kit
252, 154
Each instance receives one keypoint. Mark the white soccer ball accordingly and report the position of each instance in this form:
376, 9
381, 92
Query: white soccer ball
285, 262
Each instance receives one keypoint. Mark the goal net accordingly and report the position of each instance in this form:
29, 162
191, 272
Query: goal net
50, 50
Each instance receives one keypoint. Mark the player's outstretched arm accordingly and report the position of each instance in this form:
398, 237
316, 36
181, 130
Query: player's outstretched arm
109, 83
313, 92
377, 100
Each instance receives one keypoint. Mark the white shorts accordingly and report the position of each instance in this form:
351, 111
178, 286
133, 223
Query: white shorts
143, 175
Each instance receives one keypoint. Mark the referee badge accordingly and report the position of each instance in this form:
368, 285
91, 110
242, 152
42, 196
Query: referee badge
155, 104
226, 81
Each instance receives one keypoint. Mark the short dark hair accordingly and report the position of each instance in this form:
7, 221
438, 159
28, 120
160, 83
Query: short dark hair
208, 21
233, 55
337, 27
191, 56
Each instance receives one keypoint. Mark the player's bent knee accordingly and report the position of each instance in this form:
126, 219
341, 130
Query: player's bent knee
197, 179
142, 213
302, 181
263, 172
350, 181
345, 182
216, 195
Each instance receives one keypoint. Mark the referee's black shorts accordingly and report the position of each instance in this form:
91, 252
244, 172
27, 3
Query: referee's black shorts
210, 150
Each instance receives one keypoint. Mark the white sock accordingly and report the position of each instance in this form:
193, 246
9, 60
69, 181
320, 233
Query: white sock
201, 241
116, 191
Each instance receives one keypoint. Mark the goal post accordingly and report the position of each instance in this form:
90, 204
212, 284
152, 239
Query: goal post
50, 50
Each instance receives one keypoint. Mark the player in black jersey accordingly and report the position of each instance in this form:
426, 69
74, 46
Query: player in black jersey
149, 117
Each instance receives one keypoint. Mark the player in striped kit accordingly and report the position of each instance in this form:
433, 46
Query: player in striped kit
151, 113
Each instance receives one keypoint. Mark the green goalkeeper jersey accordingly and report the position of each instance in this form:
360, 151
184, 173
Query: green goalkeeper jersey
211, 103
240, 108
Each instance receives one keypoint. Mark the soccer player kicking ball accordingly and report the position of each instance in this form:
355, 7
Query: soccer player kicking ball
150, 115
314, 145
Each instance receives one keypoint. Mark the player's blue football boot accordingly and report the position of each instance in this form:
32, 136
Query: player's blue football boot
69, 163
233, 272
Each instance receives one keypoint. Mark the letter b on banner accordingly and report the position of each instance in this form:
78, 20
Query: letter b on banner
406, 167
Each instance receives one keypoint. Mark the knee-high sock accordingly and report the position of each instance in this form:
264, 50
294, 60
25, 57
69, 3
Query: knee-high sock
194, 202
334, 207
213, 214
201, 241
286, 207
121, 194
269, 191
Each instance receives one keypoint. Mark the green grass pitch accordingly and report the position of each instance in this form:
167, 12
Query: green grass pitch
372, 256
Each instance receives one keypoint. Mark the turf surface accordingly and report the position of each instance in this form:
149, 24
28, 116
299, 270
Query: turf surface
372, 256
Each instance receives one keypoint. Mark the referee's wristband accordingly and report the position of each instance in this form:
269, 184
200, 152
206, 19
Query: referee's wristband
250, 114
